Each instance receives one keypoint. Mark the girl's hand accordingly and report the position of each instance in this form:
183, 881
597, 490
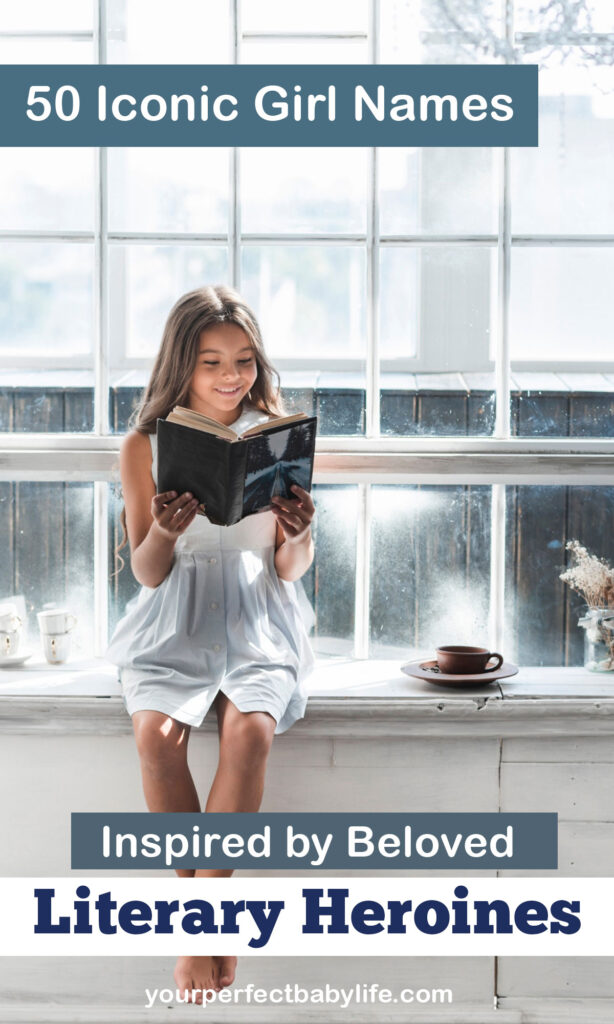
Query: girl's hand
172, 513
294, 515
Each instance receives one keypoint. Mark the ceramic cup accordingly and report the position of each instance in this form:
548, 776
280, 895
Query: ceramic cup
55, 625
10, 630
454, 659
56, 647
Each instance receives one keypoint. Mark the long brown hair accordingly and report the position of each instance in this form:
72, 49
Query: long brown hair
175, 362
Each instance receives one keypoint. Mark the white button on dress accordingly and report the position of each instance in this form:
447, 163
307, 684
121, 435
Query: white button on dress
174, 656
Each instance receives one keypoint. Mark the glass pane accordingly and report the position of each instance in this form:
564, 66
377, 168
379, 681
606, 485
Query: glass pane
47, 401
143, 33
565, 184
46, 51
431, 32
40, 15
437, 190
317, 16
309, 299
562, 404
435, 316
589, 16
330, 582
47, 538
145, 282
168, 190
298, 51
560, 303
285, 190
47, 189
430, 569
46, 301
541, 620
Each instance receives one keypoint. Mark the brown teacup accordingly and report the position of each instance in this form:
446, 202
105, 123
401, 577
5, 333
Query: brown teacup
458, 660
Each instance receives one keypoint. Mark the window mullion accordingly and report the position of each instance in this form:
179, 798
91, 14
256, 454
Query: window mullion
502, 379
234, 227
101, 368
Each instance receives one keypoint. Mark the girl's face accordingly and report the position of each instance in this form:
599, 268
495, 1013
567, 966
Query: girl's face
225, 371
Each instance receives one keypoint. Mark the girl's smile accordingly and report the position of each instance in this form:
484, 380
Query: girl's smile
225, 371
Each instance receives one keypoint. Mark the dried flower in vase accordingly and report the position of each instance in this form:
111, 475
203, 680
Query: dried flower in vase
590, 576
593, 578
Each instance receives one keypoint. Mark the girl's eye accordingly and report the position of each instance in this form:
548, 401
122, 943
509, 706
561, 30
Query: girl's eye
208, 362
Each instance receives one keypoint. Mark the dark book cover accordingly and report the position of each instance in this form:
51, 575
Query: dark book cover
234, 479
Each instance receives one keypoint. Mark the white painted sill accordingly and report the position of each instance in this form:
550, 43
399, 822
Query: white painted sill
347, 697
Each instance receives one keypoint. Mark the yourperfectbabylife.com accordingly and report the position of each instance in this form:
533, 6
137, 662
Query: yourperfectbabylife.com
293, 994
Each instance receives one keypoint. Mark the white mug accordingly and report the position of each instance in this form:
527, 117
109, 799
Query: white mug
10, 630
56, 647
55, 621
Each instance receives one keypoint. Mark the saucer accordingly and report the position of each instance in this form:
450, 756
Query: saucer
428, 670
13, 660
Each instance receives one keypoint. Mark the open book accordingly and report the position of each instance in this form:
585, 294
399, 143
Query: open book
233, 475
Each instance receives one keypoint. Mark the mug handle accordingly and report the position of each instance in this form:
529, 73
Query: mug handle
493, 668
72, 623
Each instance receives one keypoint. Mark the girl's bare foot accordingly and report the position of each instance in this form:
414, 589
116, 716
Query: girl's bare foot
193, 974
227, 968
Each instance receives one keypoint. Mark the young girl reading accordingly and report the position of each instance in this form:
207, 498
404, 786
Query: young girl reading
217, 621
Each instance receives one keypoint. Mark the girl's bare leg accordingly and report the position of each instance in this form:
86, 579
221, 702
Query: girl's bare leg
245, 742
162, 744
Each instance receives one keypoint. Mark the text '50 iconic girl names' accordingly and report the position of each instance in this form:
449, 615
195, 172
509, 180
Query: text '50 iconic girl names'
271, 103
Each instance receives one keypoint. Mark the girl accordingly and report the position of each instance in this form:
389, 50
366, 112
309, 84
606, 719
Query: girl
217, 621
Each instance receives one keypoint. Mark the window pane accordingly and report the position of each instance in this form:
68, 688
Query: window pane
560, 303
46, 301
565, 184
144, 33
330, 582
47, 538
309, 299
431, 32
562, 404
435, 315
592, 15
285, 190
291, 51
317, 16
542, 612
40, 15
430, 569
47, 189
47, 401
437, 190
46, 51
145, 282
168, 190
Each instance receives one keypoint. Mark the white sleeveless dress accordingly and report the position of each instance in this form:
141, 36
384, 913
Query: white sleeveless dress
221, 620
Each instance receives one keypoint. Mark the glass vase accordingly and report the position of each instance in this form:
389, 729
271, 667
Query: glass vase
598, 625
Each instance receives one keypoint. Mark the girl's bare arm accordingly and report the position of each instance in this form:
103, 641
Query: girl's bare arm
153, 521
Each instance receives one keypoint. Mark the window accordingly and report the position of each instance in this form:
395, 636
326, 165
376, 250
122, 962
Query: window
444, 312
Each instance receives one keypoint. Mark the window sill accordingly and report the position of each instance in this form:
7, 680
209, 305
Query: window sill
349, 698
